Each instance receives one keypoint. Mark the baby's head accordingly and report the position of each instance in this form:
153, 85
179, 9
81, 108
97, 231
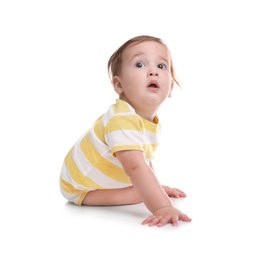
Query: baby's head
115, 61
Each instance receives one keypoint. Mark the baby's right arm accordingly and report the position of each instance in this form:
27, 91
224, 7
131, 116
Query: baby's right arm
149, 189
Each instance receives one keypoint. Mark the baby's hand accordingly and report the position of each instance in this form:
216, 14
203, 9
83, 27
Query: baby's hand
166, 215
174, 192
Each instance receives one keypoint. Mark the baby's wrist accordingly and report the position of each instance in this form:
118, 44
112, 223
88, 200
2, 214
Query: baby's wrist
163, 207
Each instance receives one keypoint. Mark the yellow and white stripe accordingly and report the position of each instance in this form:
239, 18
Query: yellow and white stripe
91, 163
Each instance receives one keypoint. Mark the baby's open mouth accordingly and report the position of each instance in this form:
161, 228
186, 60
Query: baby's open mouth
152, 85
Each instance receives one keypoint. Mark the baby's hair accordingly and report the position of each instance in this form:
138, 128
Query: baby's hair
115, 61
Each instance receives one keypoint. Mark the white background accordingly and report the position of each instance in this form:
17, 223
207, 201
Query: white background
54, 84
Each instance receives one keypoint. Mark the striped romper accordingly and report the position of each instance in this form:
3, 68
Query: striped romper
91, 163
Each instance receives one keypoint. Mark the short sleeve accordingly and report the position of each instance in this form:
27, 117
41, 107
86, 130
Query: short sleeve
125, 132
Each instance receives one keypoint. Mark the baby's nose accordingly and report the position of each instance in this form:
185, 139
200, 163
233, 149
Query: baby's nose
153, 73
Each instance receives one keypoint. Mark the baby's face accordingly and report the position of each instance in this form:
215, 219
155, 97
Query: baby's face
145, 80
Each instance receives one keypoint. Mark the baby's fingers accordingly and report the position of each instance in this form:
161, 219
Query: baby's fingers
175, 193
160, 221
151, 221
184, 217
180, 193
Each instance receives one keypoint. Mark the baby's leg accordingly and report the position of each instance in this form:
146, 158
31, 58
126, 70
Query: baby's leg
111, 197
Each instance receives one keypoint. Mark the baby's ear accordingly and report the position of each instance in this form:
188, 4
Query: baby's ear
171, 88
117, 85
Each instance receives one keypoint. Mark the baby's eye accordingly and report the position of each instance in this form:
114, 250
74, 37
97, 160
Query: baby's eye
139, 65
161, 66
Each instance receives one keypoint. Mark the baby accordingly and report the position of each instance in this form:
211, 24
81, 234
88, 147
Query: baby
111, 163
